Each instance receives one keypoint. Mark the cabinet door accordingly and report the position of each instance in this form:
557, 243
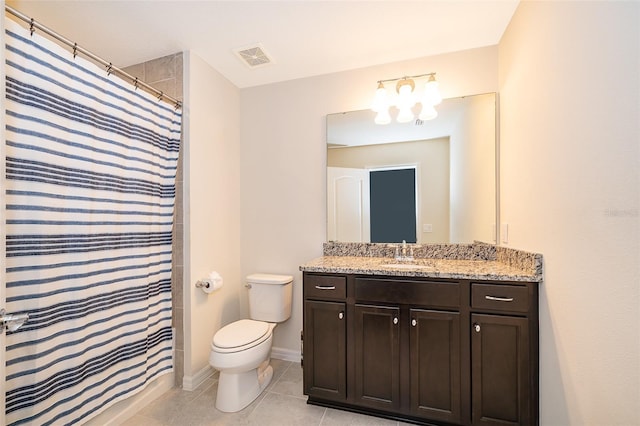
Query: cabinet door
324, 350
377, 363
500, 370
435, 365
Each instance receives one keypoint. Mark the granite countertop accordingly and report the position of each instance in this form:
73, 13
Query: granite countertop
431, 268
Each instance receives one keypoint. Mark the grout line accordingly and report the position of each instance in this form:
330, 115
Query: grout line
274, 381
267, 390
322, 418
202, 388
288, 395
281, 375
261, 399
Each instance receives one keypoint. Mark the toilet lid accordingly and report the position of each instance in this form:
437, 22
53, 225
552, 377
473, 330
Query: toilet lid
240, 333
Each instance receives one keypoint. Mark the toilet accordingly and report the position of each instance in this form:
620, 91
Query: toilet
241, 350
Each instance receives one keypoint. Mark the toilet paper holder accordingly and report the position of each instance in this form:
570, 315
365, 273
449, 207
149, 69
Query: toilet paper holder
210, 283
205, 283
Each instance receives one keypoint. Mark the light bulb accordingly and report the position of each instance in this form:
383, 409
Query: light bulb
428, 112
406, 100
380, 99
404, 115
431, 92
383, 117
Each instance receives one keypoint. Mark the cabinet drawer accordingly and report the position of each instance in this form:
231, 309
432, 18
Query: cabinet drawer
511, 298
325, 287
425, 293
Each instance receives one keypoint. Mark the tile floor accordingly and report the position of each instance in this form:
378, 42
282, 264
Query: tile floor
281, 404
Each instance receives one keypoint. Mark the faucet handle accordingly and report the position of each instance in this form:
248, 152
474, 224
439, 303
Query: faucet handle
397, 250
411, 247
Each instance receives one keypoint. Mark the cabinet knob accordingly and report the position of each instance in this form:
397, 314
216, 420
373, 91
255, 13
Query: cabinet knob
341, 315
476, 327
414, 322
395, 320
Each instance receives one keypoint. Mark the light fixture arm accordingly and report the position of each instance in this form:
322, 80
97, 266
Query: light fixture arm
406, 77
405, 82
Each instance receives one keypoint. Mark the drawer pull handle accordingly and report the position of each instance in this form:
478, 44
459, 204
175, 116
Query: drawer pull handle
414, 322
326, 287
499, 299
395, 320
341, 315
476, 327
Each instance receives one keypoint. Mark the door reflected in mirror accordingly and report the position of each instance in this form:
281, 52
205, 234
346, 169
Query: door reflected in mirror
453, 161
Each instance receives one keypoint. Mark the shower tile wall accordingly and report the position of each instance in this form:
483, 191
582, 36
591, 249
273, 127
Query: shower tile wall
165, 74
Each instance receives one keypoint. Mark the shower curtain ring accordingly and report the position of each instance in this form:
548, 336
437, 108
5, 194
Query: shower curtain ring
160, 96
109, 68
75, 50
32, 28
135, 83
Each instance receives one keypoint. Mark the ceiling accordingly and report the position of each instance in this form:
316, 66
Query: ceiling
303, 38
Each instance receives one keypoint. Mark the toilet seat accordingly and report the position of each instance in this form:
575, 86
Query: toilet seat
240, 335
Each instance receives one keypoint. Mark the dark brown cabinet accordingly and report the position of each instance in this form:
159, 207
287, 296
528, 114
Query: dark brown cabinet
377, 351
431, 351
504, 354
500, 370
435, 365
325, 339
325, 354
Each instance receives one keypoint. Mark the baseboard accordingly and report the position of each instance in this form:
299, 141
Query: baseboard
285, 354
191, 383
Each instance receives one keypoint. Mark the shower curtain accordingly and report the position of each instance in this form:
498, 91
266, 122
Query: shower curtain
89, 197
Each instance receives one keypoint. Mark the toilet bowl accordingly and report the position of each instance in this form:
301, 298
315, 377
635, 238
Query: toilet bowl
241, 350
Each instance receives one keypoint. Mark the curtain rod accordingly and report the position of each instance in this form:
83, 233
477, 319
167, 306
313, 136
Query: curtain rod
111, 69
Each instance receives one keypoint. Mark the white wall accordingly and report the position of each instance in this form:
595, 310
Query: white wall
283, 159
570, 97
211, 208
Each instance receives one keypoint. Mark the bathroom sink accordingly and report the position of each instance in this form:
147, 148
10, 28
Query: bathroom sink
405, 266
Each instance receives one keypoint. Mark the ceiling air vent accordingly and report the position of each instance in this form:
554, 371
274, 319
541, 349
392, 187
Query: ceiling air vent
253, 56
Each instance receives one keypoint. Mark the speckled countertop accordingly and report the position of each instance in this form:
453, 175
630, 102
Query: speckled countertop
457, 262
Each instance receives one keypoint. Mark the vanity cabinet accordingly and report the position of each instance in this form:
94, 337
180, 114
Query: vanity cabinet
434, 348
408, 333
426, 350
324, 345
504, 354
377, 349
499, 370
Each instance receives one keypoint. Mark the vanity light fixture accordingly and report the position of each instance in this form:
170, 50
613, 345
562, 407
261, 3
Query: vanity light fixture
406, 99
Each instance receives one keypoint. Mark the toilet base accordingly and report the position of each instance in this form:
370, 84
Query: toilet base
237, 390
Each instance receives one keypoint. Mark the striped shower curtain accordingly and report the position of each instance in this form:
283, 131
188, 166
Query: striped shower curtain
89, 196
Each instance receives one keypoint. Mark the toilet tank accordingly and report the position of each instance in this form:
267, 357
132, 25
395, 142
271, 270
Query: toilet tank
270, 297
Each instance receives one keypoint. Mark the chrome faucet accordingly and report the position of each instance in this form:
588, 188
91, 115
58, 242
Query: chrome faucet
401, 252
404, 250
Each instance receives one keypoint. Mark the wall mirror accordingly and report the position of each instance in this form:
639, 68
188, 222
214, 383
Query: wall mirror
423, 181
